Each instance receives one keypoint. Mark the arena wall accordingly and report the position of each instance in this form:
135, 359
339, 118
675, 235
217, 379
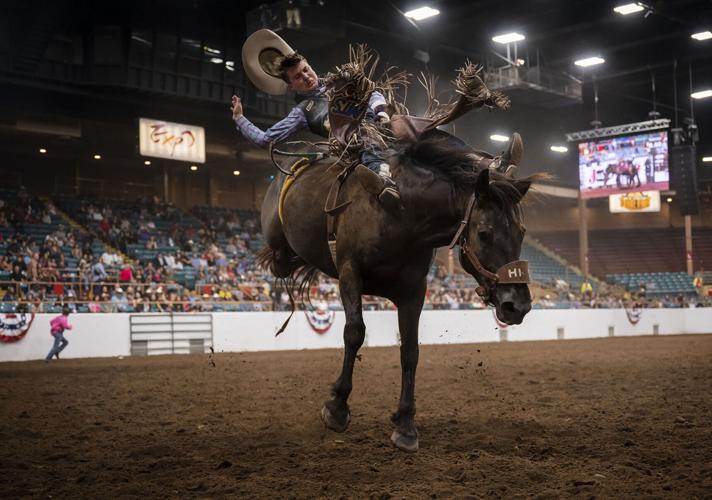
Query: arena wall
106, 335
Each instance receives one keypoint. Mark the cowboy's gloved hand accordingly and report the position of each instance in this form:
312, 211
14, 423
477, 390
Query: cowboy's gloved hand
382, 117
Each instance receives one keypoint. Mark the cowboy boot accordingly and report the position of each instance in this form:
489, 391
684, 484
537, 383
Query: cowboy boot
380, 185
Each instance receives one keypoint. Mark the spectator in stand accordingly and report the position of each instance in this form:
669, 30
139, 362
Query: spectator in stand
17, 275
110, 259
119, 301
586, 290
126, 274
98, 274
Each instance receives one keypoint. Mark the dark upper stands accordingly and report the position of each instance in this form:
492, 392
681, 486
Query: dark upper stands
630, 251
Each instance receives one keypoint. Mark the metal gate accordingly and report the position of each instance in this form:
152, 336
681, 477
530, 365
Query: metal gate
170, 333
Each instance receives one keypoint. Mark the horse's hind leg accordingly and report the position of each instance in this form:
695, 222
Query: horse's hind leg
277, 256
335, 412
405, 434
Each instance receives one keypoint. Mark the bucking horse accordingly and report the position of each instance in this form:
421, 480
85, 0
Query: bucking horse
625, 168
451, 194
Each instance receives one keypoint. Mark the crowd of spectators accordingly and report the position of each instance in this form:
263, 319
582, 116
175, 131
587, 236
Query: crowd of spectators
167, 260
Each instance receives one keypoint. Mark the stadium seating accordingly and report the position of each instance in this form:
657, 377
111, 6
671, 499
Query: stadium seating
626, 251
544, 268
655, 283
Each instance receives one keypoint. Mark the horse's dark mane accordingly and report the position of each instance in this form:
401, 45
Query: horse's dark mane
449, 158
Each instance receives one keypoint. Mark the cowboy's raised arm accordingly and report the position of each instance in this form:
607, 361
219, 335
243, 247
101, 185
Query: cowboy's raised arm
289, 125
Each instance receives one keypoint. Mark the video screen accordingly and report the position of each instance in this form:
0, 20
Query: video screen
624, 164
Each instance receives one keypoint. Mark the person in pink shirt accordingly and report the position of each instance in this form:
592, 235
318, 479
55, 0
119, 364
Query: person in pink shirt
126, 274
57, 327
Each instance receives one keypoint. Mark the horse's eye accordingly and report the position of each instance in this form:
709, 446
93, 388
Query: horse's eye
484, 235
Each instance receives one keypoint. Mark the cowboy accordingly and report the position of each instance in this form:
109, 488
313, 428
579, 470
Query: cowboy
276, 70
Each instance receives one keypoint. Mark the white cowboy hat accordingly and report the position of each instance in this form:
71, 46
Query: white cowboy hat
260, 58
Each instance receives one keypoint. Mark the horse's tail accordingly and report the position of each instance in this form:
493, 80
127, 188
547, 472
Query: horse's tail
296, 284
265, 258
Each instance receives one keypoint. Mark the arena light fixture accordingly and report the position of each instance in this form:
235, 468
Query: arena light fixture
216, 60
629, 8
559, 149
97, 157
508, 38
194, 167
422, 13
707, 159
43, 150
589, 61
499, 138
235, 172
702, 94
701, 36
669, 200
147, 162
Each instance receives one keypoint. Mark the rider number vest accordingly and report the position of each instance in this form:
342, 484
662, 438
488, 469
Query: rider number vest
316, 110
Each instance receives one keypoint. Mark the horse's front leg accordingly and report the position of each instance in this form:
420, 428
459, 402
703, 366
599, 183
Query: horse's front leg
335, 413
405, 435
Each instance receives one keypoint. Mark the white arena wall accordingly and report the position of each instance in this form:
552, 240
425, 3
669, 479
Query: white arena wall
105, 335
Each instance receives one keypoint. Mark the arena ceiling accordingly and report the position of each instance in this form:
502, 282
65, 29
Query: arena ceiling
636, 49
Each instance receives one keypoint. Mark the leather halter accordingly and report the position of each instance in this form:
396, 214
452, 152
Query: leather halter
514, 272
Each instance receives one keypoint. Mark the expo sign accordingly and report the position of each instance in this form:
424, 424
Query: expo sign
174, 141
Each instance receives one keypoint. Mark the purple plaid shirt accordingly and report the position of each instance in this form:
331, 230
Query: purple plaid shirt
293, 122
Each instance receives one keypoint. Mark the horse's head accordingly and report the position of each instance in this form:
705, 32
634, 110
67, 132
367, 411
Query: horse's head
490, 244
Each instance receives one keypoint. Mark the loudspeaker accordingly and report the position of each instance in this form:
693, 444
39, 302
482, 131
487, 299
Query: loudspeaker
683, 178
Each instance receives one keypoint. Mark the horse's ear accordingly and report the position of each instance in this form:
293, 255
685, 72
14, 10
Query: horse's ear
482, 183
522, 186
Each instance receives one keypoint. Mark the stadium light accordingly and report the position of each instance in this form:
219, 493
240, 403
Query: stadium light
43, 150
589, 61
508, 38
629, 8
707, 159
499, 138
559, 149
97, 157
147, 162
702, 94
703, 35
235, 172
194, 168
422, 13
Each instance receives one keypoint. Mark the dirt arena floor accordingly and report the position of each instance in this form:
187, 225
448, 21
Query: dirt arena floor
606, 418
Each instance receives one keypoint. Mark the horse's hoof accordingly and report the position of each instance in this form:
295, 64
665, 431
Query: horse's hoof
331, 423
405, 443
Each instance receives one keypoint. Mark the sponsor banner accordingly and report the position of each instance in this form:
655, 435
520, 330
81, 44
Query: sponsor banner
173, 141
645, 201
